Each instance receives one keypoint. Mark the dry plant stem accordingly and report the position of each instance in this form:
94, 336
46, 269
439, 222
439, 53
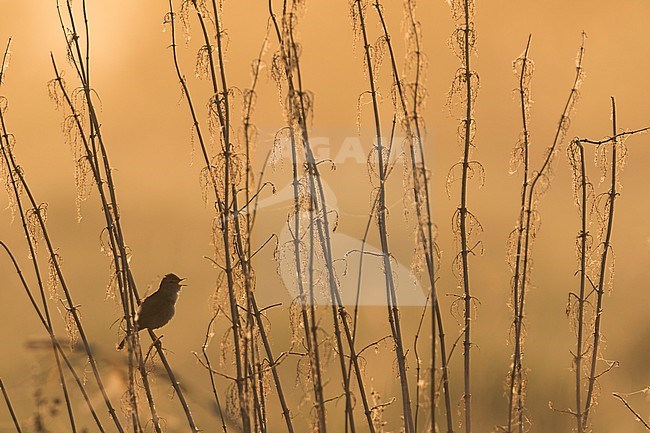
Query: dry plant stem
391, 296
254, 311
318, 201
362, 251
10, 407
418, 362
616, 136
55, 341
208, 164
288, 55
637, 416
260, 385
147, 388
110, 211
204, 350
516, 376
317, 207
261, 406
14, 168
250, 346
309, 318
286, 413
582, 412
223, 112
464, 241
312, 329
172, 378
125, 279
256, 388
257, 313
425, 224
264, 337
260, 185
583, 280
364, 240
71, 308
5, 61
600, 289
525, 239
234, 306
248, 126
37, 272
422, 207
110, 224
437, 319
91, 144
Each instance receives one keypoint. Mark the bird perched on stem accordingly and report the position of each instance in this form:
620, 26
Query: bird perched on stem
158, 308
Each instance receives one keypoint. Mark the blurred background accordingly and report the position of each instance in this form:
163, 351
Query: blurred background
168, 224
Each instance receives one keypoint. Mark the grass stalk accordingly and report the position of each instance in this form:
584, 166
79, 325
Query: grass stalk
97, 157
515, 394
19, 184
31, 239
580, 175
288, 68
412, 123
600, 288
227, 206
5, 394
468, 32
526, 232
464, 223
380, 215
586, 375
59, 348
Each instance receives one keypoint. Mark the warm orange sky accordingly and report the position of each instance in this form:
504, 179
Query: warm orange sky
148, 130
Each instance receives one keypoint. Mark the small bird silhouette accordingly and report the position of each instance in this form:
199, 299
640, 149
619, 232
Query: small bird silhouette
158, 308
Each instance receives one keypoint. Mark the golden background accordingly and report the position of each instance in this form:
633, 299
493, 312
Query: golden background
167, 224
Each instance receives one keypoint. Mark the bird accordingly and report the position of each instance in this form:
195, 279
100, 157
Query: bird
158, 308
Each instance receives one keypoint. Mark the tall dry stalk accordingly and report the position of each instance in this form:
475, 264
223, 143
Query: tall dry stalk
311, 199
595, 260
33, 217
227, 174
523, 67
412, 123
14, 185
465, 224
618, 152
425, 238
521, 239
584, 191
379, 167
83, 131
5, 395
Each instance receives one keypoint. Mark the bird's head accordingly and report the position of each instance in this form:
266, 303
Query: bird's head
172, 282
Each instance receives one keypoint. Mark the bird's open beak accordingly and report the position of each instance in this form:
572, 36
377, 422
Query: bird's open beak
180, 283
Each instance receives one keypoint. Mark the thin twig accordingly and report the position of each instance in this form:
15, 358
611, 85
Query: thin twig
10, 407
635, 413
